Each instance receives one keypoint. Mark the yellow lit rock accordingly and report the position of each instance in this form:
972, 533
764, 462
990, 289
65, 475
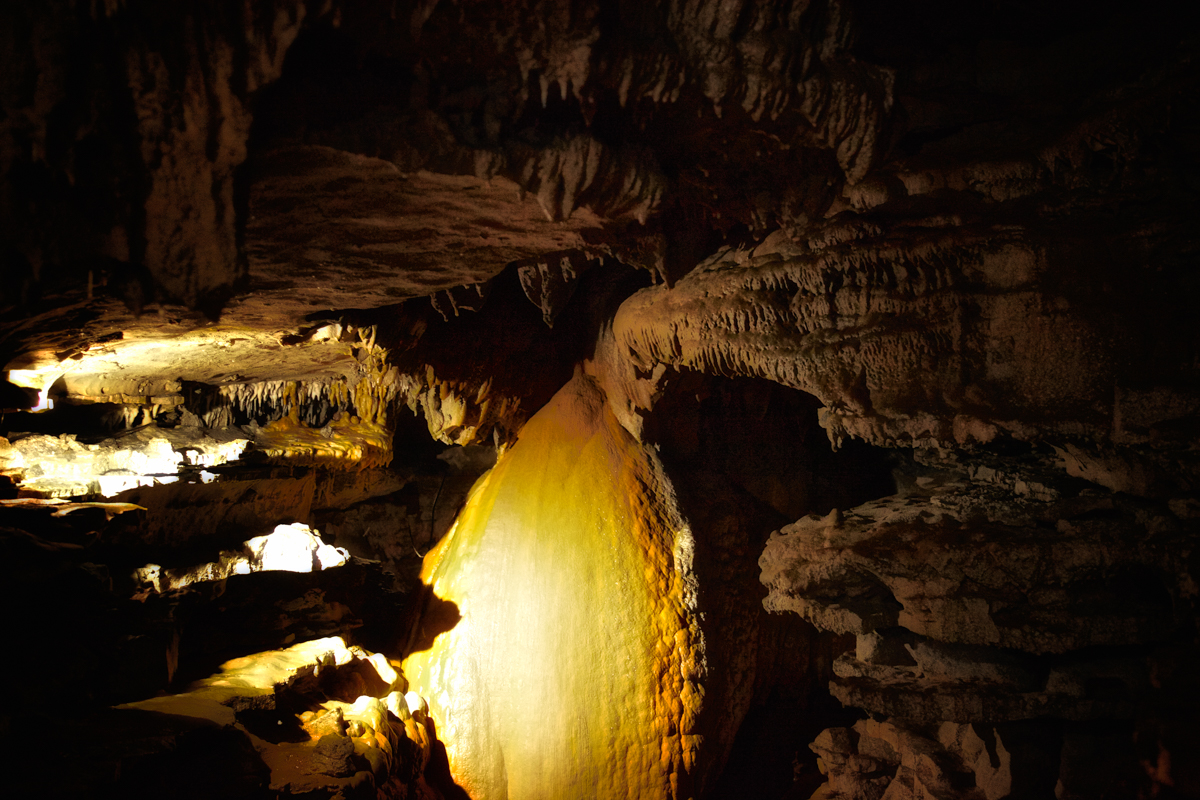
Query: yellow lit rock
61, 466
575, 668
292, 547
346, 441
299, 768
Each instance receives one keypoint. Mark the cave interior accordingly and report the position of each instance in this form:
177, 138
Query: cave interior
551, 399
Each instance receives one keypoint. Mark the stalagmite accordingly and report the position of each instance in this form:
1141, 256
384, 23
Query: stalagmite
576, 667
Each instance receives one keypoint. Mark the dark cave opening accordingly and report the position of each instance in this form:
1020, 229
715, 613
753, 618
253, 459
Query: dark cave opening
746, 457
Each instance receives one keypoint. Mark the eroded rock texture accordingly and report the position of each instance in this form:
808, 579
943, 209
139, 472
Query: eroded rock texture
895, 298
572, 531
124, 127
1018, 600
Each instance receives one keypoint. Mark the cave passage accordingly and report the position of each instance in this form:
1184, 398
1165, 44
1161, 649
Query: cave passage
818, 382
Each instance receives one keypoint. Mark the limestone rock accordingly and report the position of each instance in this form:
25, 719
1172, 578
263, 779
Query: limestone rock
334, 756
917, 562
387, 240
885, 760
393, 753
970, 239
940, 585
185, 80
643, 738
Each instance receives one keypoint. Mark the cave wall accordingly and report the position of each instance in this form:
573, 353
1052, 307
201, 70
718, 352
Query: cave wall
125, 128
965, 235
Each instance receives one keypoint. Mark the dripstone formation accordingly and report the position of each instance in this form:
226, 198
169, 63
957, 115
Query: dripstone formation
827, 370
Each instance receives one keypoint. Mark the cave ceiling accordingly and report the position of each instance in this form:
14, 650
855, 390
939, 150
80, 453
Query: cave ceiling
946, 225
886, 311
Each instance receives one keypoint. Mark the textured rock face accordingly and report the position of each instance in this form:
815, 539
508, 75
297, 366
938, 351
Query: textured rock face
125, 125
527, 85
928, 563
920, 331
353, 219
358, 736
874, 759
600, 690
1023, 601
517, 361
964, 233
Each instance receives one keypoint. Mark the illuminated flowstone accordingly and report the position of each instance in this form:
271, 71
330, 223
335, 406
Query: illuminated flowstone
61, 466
575, 668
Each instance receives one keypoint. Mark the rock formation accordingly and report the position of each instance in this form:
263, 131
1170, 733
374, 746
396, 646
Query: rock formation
577, 666
806, 391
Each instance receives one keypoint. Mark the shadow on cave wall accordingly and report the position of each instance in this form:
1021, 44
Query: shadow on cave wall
764, 439
745, 457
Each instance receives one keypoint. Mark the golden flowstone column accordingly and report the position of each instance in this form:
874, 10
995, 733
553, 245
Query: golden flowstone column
575, 668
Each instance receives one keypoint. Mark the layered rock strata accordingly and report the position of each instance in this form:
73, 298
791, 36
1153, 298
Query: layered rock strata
995, 628
966, 232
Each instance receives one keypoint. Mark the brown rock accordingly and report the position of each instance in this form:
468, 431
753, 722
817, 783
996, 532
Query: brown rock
334, 755
902, 561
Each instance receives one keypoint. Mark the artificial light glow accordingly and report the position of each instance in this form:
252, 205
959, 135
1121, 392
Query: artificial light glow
113, 485
294, 548
61, 466
30, 378
39, 379
574, 669
289, 548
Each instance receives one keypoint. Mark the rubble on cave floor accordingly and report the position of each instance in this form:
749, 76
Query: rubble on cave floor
317, 719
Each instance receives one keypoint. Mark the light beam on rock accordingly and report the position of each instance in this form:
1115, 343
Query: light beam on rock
575, 669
